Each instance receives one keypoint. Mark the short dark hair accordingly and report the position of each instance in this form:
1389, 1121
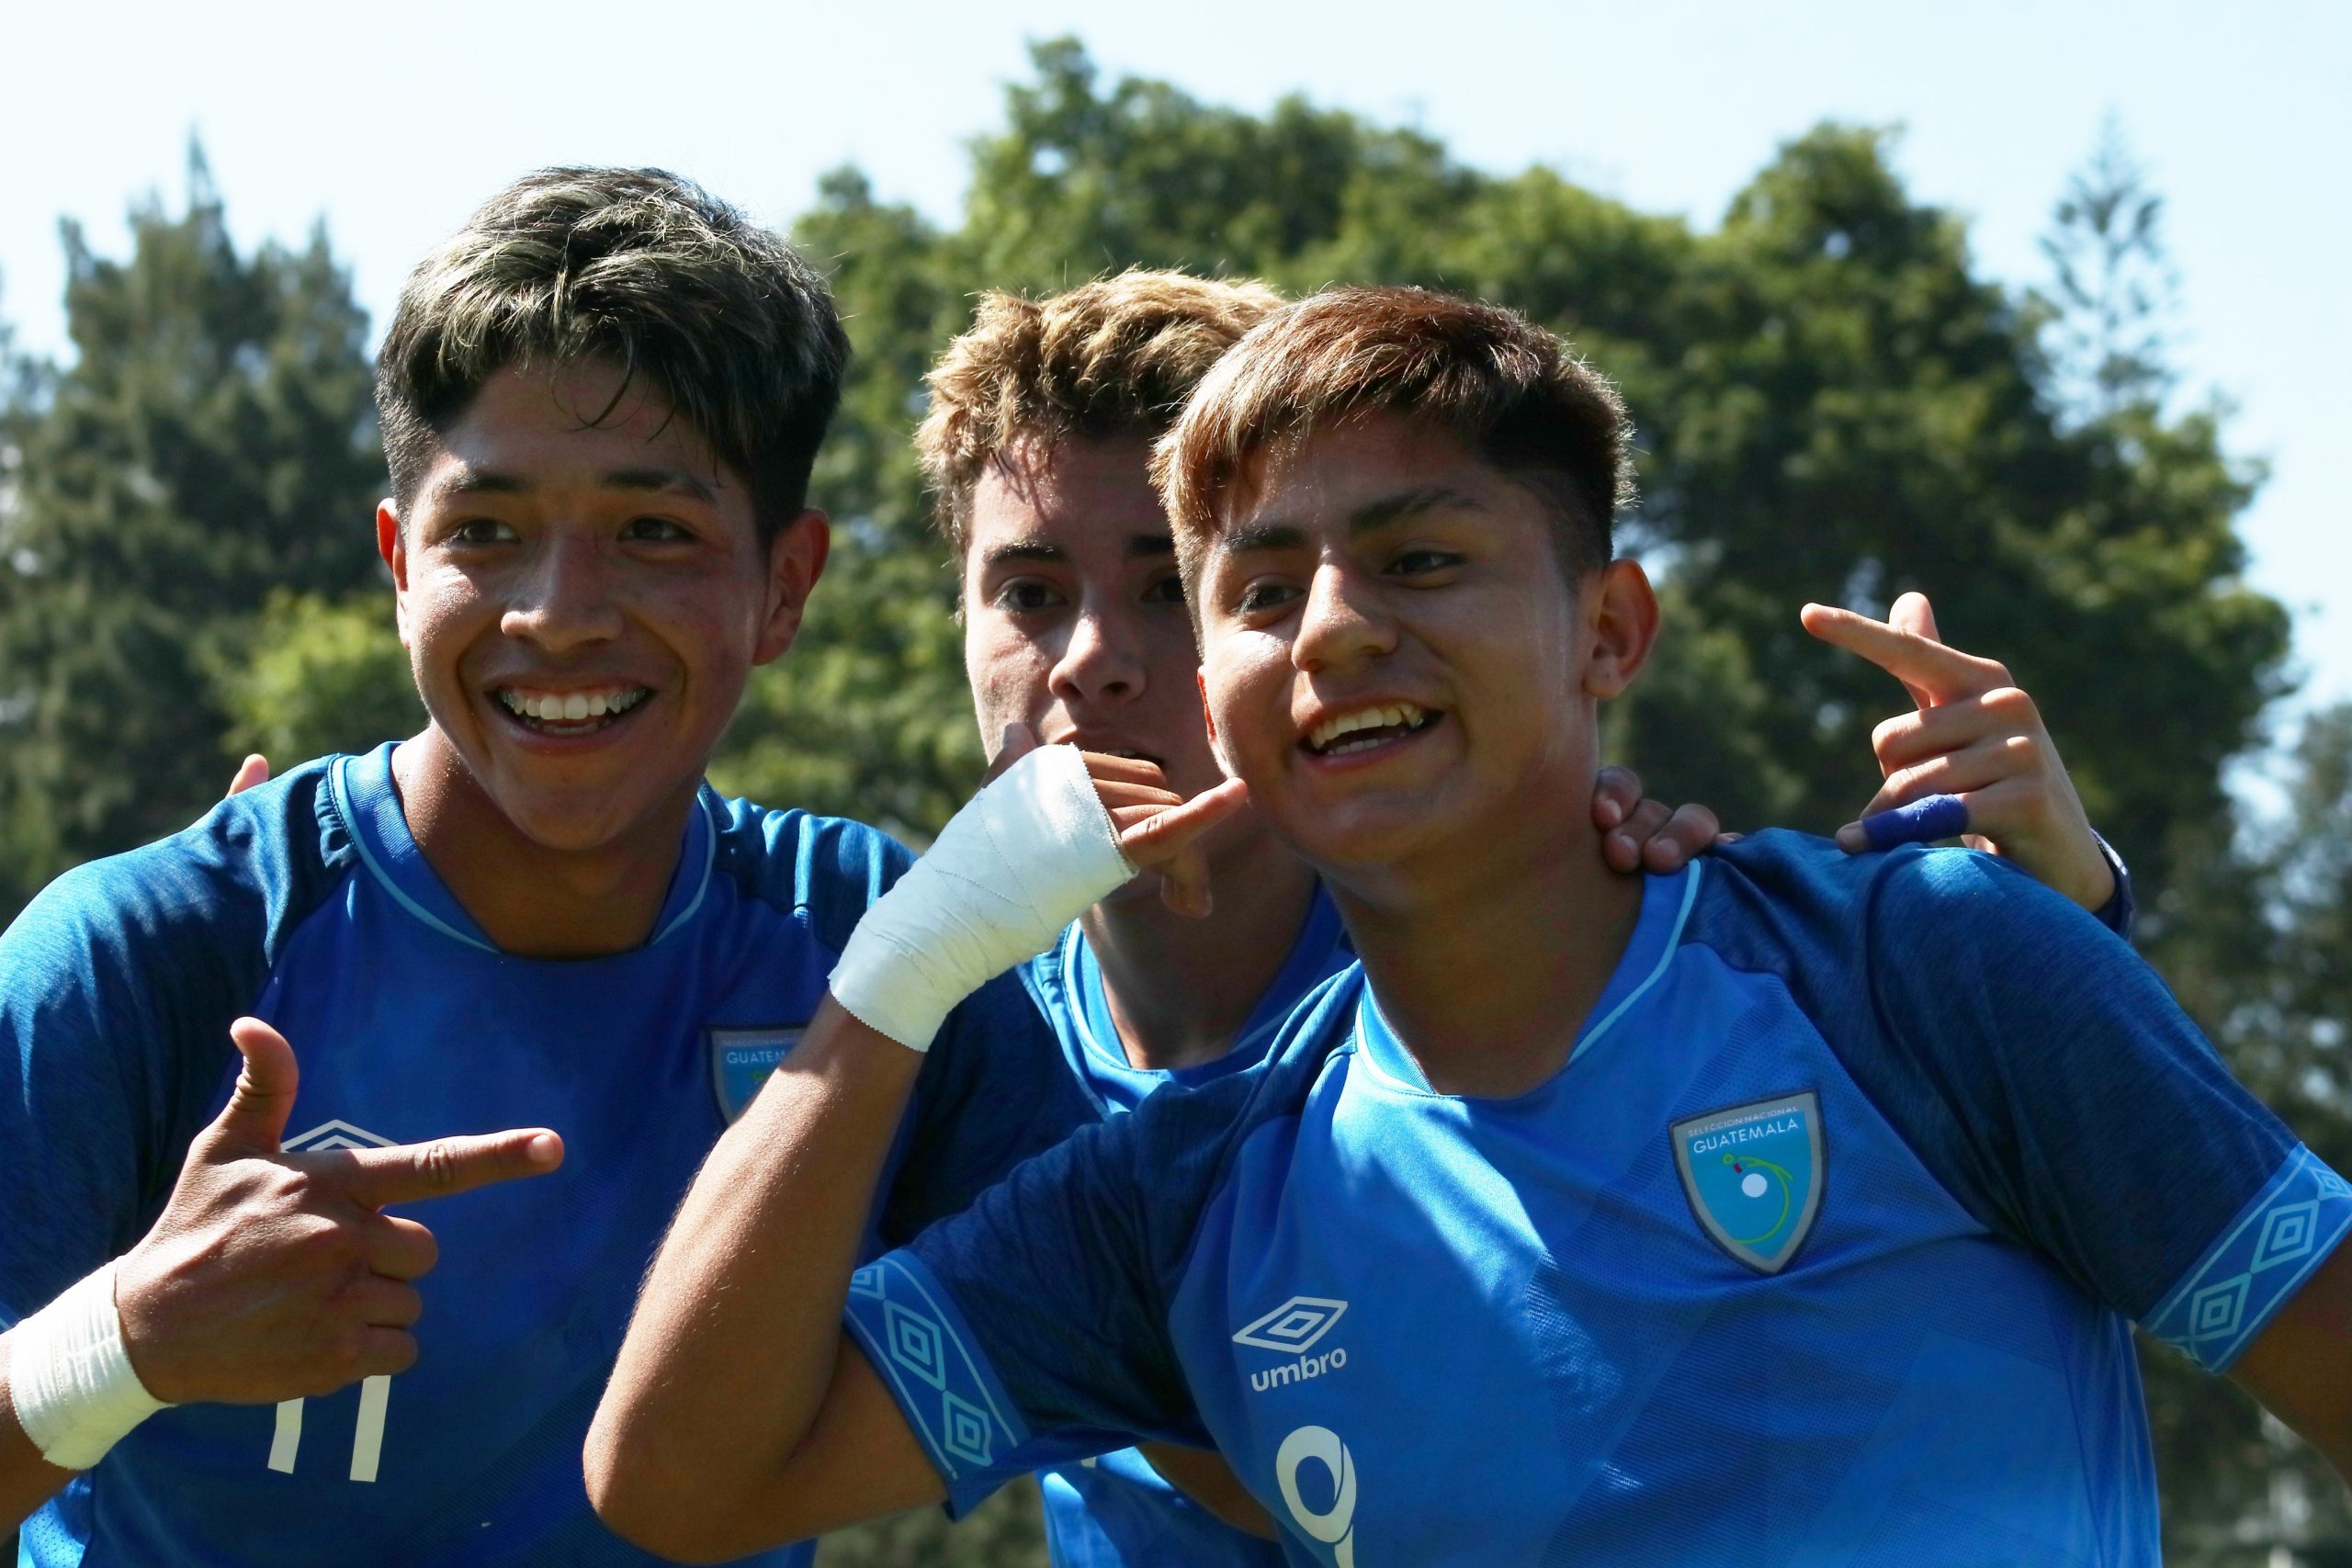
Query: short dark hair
639, 268
1115, 356
1515, 394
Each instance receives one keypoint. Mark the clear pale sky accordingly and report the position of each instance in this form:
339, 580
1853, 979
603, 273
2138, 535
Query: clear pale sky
390, 122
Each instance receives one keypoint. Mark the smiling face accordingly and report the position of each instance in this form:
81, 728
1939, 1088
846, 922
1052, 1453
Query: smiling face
1392, 658
583, 602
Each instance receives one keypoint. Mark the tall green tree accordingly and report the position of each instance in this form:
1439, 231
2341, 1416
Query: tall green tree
211, 440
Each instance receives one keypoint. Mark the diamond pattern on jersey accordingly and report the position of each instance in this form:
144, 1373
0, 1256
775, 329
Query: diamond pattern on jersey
2258, 1264
921, 1349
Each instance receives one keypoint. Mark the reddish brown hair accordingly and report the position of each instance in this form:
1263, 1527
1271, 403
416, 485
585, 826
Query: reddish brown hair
1513, 393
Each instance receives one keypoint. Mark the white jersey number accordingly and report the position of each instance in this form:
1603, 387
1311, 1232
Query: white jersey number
1336, 1526
366, 1438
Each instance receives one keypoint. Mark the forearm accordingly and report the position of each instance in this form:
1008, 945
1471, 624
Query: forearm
733, 1348
27, 1481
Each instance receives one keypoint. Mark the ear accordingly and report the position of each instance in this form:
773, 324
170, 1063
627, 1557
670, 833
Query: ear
394, 551
796, 561
1621, 615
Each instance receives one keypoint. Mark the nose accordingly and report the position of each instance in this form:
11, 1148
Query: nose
563, 600
1100, 662
1342, 623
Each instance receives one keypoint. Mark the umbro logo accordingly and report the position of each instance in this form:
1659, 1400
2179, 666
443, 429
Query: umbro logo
1293, 1326
336, 1135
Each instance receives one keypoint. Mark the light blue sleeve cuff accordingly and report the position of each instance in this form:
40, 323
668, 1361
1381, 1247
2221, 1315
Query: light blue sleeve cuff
2260, 1260
910, 1330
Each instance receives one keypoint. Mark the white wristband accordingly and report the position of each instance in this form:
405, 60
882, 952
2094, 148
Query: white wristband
1025, 857
71, 1377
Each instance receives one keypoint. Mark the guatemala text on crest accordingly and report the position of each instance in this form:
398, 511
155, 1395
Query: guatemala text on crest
741, 1059
1753, 1174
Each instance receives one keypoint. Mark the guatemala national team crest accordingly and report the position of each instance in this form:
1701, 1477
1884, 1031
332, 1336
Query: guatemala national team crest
741, 1059
1753, 1174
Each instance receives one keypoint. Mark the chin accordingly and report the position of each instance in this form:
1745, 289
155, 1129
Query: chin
1364, 841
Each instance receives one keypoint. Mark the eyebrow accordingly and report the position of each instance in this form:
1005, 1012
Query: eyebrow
1140, 546
488, 481
1384, 512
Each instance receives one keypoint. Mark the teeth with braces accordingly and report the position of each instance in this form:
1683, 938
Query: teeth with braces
571, 707
1407, 716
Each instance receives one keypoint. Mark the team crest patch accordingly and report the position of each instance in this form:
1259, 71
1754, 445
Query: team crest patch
1753, 1174
741, 1059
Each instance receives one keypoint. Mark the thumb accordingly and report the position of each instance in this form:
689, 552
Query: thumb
254, 770
1913, 614
255, 1119
1018, 742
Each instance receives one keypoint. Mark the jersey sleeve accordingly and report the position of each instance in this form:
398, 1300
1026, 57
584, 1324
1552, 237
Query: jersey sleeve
1032, 1330
120, 980
994, 1091
2067, 1101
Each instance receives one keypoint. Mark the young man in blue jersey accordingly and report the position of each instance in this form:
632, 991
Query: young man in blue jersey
1036, 447
600, 403
690, 1452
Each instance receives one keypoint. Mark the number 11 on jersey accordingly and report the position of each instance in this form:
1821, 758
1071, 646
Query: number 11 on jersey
366, 1438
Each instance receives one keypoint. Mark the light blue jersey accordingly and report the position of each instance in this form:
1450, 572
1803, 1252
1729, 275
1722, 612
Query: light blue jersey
306, 902
1117, 1511
1823, 1247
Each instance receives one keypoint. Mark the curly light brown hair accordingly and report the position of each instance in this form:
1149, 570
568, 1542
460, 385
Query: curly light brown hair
1117, 357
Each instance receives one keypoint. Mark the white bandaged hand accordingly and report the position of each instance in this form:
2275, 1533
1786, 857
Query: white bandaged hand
1029, 854
70, 1377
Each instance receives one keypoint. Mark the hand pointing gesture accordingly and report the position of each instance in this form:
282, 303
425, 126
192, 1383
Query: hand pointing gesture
275, 1276
1972, 759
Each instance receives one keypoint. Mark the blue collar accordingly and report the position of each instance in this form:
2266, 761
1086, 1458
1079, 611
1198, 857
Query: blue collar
1658, 929
1319, 949
370, 805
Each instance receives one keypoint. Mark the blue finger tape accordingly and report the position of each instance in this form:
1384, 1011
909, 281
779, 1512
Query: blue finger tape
1938, 816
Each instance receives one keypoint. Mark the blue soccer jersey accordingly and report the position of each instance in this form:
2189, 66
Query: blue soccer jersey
306, 902
1117, 1511
1822, 1248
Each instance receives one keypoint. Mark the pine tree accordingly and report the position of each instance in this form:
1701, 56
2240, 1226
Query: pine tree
211, 440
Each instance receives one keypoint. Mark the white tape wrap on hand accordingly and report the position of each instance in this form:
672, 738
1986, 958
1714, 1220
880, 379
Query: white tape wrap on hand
1025, 856
70, 1379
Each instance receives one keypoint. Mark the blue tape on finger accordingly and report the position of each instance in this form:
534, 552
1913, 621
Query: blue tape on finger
1938, 816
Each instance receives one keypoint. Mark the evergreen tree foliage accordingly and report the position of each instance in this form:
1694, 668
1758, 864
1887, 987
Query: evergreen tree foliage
211, 441
2115, 289
1831, 404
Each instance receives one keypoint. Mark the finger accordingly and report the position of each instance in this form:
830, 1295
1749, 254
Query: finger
254, 770
1689, 830
1913, 614
1929, 671
1910, 739
1105, 768
1649, 817
1974, 767
1185, 884
1118, 796
400, 1249
1922, 821
383, 1352
1615, 793
255, 1119
409, 1173
1017, 743
380, 1303
1160, 837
